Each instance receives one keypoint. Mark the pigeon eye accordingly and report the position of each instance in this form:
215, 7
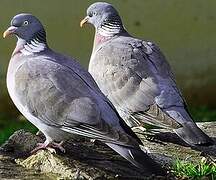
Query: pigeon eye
25, 23
90, 14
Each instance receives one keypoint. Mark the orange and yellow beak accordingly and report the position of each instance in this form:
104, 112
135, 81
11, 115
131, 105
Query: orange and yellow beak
84, 21
9, 31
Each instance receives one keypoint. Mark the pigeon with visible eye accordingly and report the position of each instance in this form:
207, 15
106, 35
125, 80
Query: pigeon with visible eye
61, 98
136, 77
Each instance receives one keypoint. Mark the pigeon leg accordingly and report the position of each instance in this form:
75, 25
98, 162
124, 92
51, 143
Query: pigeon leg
40, 146
48, 144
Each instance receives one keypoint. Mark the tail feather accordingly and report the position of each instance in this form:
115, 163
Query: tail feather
193, 135
138, 158
176, 118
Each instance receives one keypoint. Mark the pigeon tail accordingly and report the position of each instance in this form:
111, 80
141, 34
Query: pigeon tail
193, 135
138, 158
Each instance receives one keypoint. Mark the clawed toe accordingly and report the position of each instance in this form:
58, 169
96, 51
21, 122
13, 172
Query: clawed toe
58, 146
49, 146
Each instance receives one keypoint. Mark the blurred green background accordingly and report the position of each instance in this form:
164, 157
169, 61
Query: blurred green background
185, 31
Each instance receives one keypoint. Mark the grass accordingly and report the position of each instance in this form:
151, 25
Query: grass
196, 171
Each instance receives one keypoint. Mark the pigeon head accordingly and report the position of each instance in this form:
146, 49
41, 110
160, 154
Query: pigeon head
26, 27
104, 17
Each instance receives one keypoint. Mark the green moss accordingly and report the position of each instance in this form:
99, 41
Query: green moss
184, 169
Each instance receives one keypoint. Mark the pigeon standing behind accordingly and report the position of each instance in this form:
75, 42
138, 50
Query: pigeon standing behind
136, 77
60, 98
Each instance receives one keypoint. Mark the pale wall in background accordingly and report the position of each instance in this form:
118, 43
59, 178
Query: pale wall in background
185, 31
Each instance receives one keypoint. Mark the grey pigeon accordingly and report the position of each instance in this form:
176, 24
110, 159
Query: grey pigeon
136, 77
61, 98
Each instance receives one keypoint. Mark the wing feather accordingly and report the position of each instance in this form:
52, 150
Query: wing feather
60, 98
134, 83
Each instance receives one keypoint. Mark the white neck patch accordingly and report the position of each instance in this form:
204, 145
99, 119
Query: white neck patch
30, 48
33, 47
109, 29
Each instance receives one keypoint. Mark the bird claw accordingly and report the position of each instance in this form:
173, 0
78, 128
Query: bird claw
49, 146
58, 146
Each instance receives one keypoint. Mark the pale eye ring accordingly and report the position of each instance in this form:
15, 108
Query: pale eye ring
25, 23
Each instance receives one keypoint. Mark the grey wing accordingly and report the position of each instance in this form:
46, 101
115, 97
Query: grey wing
133, 82
59, 98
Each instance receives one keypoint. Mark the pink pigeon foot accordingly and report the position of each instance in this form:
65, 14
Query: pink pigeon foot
58, 146
46, 145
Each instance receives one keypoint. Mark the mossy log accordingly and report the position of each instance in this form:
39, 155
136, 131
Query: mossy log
93, 160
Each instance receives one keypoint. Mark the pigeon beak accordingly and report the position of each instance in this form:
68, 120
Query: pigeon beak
85, 20
9, 31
